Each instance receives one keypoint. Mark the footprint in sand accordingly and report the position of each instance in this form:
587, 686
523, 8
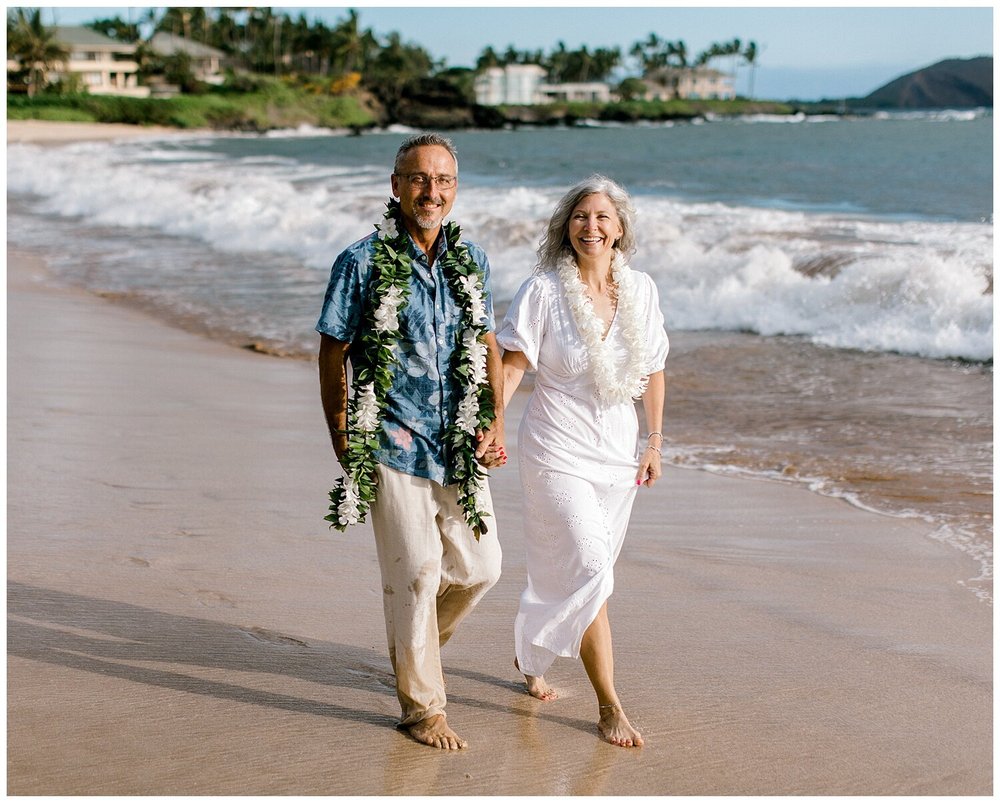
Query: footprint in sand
270, 637
379, 677
214, 599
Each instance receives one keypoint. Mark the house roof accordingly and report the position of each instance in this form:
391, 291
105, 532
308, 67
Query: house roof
80, 36
167, 44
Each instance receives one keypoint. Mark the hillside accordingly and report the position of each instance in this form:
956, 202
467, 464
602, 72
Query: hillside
949, 84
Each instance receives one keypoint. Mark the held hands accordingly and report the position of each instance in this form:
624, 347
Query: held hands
490, 452
649, 463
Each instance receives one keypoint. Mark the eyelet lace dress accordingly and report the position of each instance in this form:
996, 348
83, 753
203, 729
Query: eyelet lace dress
578, 458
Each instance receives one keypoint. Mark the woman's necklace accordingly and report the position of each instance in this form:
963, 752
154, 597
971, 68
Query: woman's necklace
373, 355
614, 385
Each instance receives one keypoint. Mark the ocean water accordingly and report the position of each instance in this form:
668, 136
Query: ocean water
828, 283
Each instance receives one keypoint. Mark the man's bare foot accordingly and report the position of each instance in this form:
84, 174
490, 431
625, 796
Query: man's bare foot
434, 731
537, 687
615, 727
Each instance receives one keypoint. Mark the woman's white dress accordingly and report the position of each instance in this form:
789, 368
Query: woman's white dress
578, 459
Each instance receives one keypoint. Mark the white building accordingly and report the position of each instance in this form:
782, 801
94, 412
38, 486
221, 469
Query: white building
591, 91
107, 67
515, 85
689, 83
523, 84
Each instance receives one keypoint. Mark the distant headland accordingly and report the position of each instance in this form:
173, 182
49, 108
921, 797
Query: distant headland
949, 84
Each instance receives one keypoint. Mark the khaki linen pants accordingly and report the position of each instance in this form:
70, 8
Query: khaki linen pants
433, 573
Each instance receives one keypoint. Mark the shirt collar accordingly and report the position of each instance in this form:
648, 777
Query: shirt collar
441, 247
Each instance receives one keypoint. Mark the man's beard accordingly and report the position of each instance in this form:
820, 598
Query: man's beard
427, 221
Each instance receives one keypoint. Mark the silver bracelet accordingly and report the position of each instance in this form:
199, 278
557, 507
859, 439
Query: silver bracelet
651, 434
655, 449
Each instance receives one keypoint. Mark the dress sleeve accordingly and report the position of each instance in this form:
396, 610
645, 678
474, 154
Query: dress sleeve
524, 325
658, 344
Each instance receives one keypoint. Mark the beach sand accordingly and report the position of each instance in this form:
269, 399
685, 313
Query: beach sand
181, 620
52, 132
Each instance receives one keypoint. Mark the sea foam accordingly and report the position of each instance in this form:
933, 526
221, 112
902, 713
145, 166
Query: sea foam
847, 281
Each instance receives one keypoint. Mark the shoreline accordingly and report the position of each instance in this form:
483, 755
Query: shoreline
960, 505
58, 132
52, 132
182, 622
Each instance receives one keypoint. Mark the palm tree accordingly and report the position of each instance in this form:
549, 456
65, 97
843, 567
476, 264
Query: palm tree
677, 50
604, 61
182, 21
116, 28
750, 56
397, 65
488, 58
33, 45
352, 47
734, 49
580, 65
650, 54
558, 63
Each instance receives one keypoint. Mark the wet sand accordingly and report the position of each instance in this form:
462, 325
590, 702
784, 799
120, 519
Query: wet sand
181, 621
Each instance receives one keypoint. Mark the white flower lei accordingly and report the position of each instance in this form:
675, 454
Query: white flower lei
613, 385
374, 352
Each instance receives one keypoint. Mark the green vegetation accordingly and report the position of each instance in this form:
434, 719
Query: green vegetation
277, 107
33, 46
632, 111
650, 55
285, 72
273, 105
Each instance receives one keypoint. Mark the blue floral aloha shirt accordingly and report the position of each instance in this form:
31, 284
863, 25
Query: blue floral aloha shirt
422, 401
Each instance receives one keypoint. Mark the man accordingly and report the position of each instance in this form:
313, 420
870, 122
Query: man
434, 566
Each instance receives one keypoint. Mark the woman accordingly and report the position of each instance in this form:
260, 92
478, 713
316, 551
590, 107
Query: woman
592, 330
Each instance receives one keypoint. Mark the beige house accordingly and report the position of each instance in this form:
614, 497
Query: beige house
523, 85
206, 61
106, 67
689, 83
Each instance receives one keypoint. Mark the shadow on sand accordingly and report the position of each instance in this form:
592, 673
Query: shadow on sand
109, 638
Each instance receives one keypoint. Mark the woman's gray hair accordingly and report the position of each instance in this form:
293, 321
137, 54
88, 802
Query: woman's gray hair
420, 141
555, 243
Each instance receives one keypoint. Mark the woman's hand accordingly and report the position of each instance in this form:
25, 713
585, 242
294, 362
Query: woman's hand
494, 458
649, 467
652, 402
490, 450
649, 463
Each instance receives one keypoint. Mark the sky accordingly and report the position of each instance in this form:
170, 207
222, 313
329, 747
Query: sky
805, 52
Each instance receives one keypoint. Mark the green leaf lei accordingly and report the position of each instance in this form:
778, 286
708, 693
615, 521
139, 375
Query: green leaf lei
372, 357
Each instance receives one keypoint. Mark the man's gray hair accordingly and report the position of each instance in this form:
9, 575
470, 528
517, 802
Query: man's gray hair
422, 140
555, 243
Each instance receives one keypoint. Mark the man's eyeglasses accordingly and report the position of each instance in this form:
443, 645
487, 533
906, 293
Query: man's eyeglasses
422, 180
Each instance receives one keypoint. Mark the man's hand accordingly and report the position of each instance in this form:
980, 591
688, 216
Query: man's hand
340, 446
490, 451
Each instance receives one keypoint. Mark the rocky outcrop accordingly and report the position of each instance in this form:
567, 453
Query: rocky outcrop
950, 84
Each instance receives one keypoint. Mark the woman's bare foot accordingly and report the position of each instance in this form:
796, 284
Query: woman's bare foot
615, 727
537, 687
434, 731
